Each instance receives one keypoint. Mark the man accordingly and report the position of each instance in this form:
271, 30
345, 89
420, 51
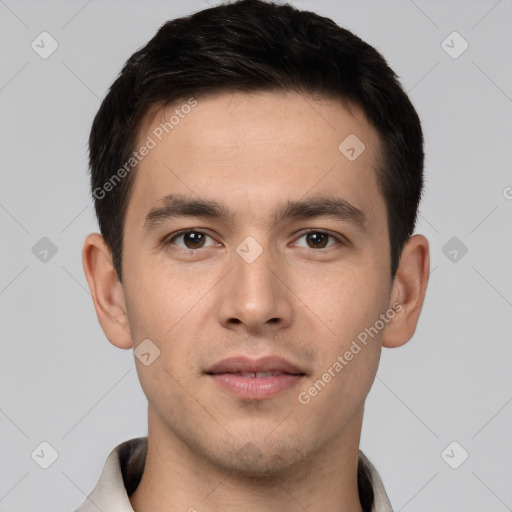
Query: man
256, 172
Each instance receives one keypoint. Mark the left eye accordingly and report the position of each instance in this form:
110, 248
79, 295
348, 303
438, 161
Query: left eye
317, 239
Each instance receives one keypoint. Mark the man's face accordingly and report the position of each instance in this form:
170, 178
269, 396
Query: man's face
254, 284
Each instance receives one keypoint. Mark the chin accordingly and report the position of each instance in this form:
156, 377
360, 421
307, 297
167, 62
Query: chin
259, 458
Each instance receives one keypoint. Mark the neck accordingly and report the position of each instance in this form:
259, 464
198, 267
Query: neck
178, 478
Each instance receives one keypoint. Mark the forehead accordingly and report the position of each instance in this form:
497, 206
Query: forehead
254, 149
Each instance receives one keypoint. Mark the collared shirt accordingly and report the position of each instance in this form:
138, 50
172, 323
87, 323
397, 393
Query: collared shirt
125, 464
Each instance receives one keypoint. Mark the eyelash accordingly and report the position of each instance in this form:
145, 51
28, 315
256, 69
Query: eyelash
340, 239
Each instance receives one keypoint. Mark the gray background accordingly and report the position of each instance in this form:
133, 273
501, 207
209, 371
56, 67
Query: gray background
64, 384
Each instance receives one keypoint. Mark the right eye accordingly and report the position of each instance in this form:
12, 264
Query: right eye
191, 239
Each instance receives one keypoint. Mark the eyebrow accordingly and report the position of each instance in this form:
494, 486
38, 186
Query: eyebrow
177, 206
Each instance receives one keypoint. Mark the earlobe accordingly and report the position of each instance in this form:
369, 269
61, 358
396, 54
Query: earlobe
408, 292
106, 291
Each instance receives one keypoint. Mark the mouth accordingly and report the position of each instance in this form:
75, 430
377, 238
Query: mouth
257, 375
255, 379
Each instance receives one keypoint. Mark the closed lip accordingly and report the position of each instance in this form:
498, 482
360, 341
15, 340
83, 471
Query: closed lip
242, 364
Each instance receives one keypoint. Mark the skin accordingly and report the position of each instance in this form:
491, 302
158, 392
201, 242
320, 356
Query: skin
298, 300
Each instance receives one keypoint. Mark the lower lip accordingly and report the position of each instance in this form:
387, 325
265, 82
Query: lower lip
256, 388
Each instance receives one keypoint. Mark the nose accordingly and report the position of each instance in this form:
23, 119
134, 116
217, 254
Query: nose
254, 296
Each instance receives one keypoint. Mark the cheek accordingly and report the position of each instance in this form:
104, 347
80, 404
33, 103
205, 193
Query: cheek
167, 391
347, 300
349, 303
335, 395
348, 353
172, 309
158, 298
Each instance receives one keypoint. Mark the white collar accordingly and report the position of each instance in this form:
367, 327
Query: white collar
110, 494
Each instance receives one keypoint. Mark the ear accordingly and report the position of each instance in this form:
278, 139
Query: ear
408, 292
106, 290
